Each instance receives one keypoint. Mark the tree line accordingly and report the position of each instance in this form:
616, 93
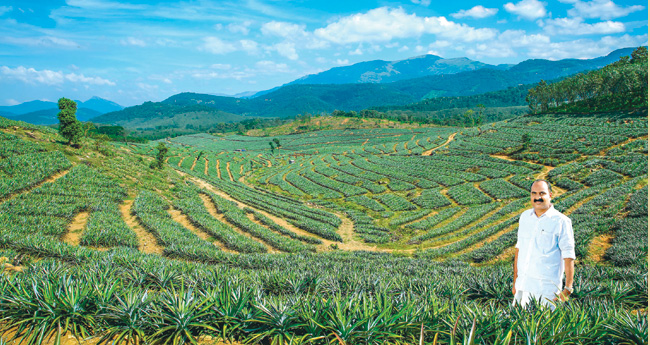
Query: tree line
618, 86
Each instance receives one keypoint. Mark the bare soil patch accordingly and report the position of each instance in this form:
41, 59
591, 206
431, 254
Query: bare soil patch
429, 152
599, 246
73, 235
148, 243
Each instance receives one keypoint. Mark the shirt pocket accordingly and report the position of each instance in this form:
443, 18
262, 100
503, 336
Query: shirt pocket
546, 242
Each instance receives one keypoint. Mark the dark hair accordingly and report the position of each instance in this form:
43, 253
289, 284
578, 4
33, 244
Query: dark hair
550, 190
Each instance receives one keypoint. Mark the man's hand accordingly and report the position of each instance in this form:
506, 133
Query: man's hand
563, 296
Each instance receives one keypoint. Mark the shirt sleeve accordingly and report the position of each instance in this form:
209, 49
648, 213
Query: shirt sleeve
518, 245
566, 241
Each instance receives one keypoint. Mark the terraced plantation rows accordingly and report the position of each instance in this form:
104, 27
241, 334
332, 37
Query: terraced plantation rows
416, 223
425, 199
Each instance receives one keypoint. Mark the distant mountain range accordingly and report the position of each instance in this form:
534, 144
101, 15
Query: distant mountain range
328, 92
45, 113
360, 86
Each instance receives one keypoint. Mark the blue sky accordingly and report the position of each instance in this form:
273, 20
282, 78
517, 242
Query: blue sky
135, 51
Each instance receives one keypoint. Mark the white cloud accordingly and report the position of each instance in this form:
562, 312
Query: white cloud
527, 9
221, 66
272, 67
44, 41
603, 9
422, 2
342, 62
384, 24
48, 77
11, 101
357, 51
103, 5
586, 48
506, 43
5, 9
403, 49
249, 46
80, 78
215, 45
242, 28
577, 26
476, 12
286, 49
284, 29
132, 41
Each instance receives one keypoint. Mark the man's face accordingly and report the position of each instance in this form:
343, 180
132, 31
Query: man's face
540, 197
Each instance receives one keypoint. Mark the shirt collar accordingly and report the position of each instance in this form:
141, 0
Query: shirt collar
548, 212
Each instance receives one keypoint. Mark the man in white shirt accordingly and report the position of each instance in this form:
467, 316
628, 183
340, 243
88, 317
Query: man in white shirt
545, 250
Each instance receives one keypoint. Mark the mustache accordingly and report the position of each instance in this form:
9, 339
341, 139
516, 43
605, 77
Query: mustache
540, 200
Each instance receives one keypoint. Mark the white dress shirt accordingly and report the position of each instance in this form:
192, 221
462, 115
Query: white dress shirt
543, 243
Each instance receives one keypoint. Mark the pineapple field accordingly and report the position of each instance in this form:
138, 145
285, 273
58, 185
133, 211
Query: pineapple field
346, 236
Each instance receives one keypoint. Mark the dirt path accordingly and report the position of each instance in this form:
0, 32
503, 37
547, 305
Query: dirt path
629, 140
194, 163
218, 171
429, 152
229, 172
207, 165
598, 246
50, 179
346, 230
504, 158
75, 229
181, 161
148, 243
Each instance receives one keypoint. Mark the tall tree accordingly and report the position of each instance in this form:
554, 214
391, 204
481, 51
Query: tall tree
160, 156
70, 128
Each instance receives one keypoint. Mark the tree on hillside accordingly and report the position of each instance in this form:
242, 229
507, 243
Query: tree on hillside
70, 128
277, 143
160, 157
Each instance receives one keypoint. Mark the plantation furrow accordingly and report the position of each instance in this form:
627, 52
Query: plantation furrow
207, 166
481, 243
181, 161
629, 140
280, 221
178, 216
580, 203
50, 179
212, 209
194, 163
477, 185
462, 231
218, 170
346, 230
72, 236
147, 241
229, 172
449, 139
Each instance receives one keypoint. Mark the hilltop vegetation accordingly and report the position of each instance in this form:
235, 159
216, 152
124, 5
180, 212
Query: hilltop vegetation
299, 99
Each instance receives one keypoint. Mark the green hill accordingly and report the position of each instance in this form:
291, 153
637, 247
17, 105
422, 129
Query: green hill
292, 100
